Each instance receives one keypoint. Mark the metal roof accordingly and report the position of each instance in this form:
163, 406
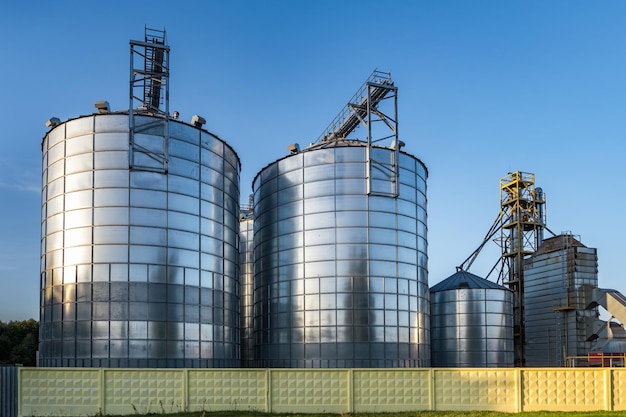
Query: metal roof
465, 280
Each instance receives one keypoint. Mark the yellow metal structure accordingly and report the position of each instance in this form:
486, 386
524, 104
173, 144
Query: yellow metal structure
522, 223
82, 391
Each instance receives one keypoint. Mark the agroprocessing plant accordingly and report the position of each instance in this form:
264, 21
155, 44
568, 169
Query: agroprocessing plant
148, 260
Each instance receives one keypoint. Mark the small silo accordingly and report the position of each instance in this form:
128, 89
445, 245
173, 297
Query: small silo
471, 322
340, 273
139, 264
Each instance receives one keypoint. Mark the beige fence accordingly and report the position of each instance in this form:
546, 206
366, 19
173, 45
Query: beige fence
81, 391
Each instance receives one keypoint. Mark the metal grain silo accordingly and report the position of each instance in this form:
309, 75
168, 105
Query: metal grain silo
341, 268
471, 323
558, 278
139, 262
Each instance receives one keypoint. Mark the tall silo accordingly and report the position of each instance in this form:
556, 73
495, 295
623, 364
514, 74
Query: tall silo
139, 262
341, 275
471, 323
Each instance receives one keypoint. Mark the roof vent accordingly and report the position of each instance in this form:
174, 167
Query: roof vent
53, 122
102, 106
198, 121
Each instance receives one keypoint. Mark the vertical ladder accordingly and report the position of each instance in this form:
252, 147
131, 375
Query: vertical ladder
149, 96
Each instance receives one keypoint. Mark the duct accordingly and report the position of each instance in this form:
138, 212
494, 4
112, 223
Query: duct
612, 300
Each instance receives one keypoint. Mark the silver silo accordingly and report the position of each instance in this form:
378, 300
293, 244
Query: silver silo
246, 276
139, 266
340, 275
556, 314
471, 323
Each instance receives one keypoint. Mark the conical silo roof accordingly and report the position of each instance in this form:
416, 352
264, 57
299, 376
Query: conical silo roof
464, 279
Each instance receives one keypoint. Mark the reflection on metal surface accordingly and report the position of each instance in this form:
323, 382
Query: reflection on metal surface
139, 268
246, 276
329, 261
472, 323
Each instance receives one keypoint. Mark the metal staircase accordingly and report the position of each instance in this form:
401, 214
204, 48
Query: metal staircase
364, 108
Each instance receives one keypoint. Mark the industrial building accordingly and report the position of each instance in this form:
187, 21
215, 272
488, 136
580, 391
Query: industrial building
147, 260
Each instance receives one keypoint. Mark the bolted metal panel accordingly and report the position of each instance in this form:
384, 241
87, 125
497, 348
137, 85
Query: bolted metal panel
471, 323
556, 313
138, 268
340, 276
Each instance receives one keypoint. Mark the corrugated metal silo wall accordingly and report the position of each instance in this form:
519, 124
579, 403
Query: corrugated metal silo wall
554, 304
8, 391
246, 276
139, 267
472, 328
341, 276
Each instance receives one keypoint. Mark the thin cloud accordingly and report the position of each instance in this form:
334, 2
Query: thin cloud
15, 177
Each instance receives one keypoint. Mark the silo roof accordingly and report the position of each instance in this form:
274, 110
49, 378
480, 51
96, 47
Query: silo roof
463, 279
558, 243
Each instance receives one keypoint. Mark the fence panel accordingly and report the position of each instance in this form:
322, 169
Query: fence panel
565, 389
309, 391
8, 391
466, 389
226, 389
59, 391
618, 389
143, 391
376, 390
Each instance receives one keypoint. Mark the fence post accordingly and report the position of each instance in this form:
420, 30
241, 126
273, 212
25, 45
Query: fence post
102, 392
519, 390
350, 390
608, 389
431, 390
268, 390
185, 390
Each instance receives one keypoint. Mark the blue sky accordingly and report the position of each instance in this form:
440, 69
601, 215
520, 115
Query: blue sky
485, 88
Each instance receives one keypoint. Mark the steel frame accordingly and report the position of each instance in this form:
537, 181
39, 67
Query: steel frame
522, 214
149, 95
362, 109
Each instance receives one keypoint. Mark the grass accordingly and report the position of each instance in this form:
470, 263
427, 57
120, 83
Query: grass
403, 414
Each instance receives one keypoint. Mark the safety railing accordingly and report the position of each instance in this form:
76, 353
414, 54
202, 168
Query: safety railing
599, 359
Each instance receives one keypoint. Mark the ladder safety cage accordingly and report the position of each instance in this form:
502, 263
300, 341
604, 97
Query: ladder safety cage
382, 128
149, 96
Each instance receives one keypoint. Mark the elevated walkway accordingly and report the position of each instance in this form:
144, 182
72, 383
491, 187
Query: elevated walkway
366, 100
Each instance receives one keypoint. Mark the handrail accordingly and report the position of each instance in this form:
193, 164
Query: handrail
337, 124
599, 359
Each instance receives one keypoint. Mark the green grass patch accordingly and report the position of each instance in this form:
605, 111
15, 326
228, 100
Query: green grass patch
403, 414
